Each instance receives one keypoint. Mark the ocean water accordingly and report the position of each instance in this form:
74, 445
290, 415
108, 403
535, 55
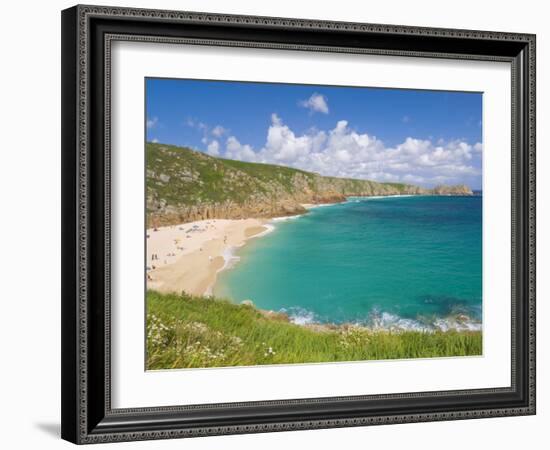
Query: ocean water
406, 262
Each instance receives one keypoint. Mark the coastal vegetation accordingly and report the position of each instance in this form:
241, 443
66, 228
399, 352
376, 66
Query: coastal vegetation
186, 331
184, 185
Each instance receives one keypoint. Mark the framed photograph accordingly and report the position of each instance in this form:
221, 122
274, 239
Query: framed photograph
280, 224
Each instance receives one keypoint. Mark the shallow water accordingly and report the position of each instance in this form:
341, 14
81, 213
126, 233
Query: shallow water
411, 262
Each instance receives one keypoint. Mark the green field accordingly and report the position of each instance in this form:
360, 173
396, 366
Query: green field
193, 332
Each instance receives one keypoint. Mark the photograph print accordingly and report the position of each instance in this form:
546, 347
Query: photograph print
298, 224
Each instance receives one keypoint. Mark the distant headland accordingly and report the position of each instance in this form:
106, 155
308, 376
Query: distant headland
184, 185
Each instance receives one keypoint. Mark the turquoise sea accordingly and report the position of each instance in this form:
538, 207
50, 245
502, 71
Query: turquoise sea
406, 262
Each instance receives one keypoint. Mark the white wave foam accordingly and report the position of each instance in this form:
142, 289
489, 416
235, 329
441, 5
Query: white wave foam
386, 321
319, 205
393, 322
452, 323
371, 197
269, 229
300, 316
285, 218
229, 258
457, 322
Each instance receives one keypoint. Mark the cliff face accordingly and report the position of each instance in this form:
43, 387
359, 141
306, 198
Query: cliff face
184, 185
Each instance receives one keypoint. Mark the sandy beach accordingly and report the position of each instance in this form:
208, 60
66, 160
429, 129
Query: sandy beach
187, 257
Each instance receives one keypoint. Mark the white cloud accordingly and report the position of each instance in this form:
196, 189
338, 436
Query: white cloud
283, 145
193, 123
209, 133
155, 141
152, 123
218, 131
235, 150
213, 148
316, 103
344, 152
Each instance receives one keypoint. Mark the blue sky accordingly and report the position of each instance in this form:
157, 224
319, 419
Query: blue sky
422, 137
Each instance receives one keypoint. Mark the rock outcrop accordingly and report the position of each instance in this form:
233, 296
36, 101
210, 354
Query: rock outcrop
459, 189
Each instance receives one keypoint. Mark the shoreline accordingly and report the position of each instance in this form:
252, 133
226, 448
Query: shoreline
187, 257
308, 206
385, 321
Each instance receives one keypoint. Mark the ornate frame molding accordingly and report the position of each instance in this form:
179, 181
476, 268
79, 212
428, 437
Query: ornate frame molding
80, 418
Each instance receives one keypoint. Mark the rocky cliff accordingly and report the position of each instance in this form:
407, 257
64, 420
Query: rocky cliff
460, 189
184, 185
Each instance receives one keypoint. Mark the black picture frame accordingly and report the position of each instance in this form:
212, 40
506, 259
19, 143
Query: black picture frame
87, 32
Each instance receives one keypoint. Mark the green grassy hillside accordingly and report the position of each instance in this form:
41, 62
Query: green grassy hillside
185, 331
181, 176
185, 185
